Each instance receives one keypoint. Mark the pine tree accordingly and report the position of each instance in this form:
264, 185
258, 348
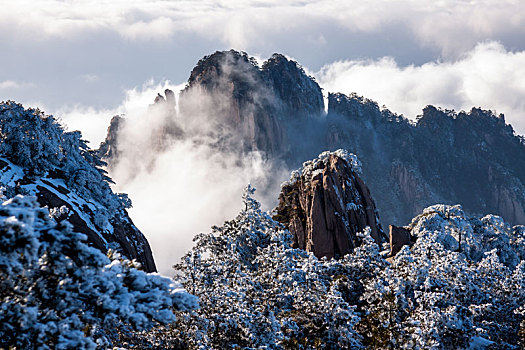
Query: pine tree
57, 292
256, 291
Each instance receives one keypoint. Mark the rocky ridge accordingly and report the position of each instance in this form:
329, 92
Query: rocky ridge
38, 158
326, 204
473, 158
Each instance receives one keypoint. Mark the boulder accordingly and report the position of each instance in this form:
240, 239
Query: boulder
399, 237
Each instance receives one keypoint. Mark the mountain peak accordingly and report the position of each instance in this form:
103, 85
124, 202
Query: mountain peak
326, 204
300, 92
220, 64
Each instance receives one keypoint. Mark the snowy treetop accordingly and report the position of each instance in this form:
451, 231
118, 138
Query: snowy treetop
38, 143
58, 292
312, 167
449, 227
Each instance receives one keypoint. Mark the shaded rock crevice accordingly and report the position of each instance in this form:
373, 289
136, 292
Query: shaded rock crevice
398, 238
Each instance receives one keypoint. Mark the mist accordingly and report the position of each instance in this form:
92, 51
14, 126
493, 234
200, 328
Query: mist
181, 174
184, 170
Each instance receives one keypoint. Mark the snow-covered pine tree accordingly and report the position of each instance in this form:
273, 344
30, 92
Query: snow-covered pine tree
38, 143
37, 157
256, 291
459, 286
57, 292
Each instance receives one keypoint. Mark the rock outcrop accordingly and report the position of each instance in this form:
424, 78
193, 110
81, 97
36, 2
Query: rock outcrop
166, 101
246, 103
162, 129
165, 126
109, 149
325, 204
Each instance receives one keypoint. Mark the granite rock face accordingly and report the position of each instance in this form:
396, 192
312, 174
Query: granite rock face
228, 91
325, 205
248, 104
299, 94
162, 129
163, 119
472, 158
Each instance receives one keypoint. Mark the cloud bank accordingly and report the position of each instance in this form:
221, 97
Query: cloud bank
450, 25
489, 77
87, 52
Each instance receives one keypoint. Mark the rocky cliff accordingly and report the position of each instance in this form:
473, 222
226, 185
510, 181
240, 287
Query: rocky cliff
109, 149
38, 158
300, 96
326, 203
470, 158
228, 91
248, 103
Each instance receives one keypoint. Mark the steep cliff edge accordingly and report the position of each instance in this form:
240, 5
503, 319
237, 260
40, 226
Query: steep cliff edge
38, 158
325, 204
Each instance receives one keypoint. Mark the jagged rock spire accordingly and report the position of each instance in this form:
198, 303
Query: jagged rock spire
325, 205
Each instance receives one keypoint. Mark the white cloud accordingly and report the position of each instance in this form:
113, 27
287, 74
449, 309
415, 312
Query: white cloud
12, 84
94, 122
488, 76
189, 189
8, 84
451, 26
